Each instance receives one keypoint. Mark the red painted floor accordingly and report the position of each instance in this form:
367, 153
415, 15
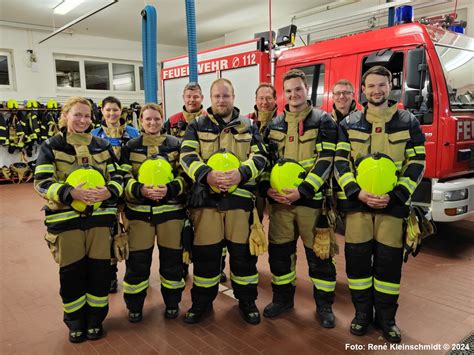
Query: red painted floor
436, 303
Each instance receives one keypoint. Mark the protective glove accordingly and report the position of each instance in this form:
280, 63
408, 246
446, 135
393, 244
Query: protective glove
121, 245
199, 194
322, 238
52, 240
187, 238
412, 236
257, 240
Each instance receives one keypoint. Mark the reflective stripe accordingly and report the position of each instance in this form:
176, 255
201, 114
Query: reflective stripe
139, 208
253, 169
284, 279
134, 289
343, 146
346, 179
44, 168
323, 285
74, 305
110, 168
410, 152
244, 280
129, 186
118, 186
420, 149
126, 167
206, 282
254, 148
307, 163
314, 180
195, 165
408, 183
341, 195
319, 147
53, 191
190, 143
180, 181
166, 208
329, 146
399, 164
64, 216
96, 301
243, 193
173, 285
386, 287
360, 284
318, 196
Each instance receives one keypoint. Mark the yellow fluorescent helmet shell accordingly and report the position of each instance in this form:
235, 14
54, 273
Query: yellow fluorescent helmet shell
92, 178
155, 171
286, 175
377, 175
223, 161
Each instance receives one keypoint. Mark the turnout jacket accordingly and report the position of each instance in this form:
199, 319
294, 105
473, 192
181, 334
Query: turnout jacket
208, 134
393, 132
308, 137
177, 123
57, 158
134, 153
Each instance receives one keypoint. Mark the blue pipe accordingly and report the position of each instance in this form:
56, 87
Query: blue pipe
192, 46
391, 15
149, 53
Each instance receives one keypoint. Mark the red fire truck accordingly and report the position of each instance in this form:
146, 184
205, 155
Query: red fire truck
432, 77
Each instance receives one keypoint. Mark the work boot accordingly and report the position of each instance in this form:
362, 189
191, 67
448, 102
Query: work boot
360, 324
77, 336
195, 314
171, 312
276, 308
95, 333
249, 312
390, 331
326, 317
135, 317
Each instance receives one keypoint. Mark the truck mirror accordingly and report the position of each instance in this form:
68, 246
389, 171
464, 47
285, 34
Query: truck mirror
416, 68
412, 100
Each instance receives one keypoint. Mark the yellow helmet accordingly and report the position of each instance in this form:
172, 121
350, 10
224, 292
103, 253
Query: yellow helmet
223, 161
286, 174
155, 171
92, 178
376, 173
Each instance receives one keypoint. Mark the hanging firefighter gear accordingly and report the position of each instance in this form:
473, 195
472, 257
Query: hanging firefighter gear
418, 227
257, 240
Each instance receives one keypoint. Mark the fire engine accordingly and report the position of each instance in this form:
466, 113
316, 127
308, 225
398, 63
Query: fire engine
432, 77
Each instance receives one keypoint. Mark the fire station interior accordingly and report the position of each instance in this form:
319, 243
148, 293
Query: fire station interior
95, 49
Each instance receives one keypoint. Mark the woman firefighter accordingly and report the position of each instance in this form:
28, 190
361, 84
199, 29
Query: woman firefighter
78, 175
155, 209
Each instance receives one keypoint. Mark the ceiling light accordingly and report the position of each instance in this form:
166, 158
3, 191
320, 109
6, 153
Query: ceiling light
66, 5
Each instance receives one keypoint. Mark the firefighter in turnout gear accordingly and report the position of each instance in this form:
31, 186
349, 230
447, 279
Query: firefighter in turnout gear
265, 110
117, 133
308, 136
222, 218
374, 223
79, 241
154, 209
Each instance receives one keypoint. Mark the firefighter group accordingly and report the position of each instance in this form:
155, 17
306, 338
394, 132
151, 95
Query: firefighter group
198, 184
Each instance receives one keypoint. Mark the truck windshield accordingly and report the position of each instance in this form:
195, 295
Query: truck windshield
458, 67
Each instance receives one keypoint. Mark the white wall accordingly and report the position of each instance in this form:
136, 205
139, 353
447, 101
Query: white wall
40, 83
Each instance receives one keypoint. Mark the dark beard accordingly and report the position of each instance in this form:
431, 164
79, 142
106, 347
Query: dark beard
377, 103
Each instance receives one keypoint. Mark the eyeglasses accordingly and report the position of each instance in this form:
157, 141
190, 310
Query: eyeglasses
342, 93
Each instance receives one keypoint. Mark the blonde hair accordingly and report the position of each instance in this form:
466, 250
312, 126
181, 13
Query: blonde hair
151, 106
68, 106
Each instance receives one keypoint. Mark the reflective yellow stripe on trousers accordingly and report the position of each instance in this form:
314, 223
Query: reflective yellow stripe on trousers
75, 305
284, 279
206, 282
173, 285
133, 289
96, 301
244, 280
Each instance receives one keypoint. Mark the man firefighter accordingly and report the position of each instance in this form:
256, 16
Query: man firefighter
222, 201
343, 97
176, 126
265, 110
380, 159
305, 136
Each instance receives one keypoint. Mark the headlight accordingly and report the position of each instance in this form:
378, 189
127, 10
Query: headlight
456, 195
